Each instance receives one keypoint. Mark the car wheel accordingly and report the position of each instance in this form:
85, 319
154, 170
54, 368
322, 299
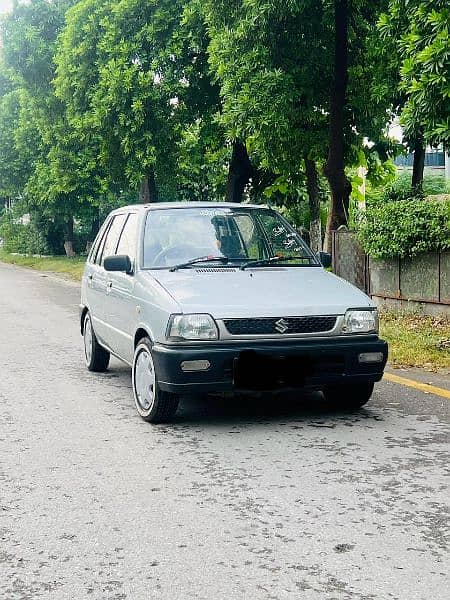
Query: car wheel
350, 396
153, 404
96, 357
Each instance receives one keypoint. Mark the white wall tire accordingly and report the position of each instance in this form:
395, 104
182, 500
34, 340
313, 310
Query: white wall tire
96, 357
153, 404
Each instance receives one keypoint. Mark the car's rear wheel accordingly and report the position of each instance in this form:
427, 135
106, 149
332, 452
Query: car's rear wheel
153, 404
349, 396
96, 357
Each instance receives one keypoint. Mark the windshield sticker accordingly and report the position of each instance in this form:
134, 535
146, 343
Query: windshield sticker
277, 231
213, 213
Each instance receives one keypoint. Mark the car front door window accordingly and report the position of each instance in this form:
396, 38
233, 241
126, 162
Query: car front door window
112, 238
128, 239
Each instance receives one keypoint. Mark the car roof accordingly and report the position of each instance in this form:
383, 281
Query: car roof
165, 205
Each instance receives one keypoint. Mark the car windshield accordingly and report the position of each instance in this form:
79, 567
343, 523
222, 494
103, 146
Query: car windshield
233, 236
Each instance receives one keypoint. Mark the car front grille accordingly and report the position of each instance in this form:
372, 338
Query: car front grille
279, 326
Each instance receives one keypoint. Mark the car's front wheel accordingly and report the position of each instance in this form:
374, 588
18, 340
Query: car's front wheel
349, 396
96, 357
153, 404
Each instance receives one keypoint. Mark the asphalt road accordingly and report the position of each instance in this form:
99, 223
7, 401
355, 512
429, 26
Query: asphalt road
244, 499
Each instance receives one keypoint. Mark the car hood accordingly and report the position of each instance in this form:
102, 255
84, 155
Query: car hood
261, 292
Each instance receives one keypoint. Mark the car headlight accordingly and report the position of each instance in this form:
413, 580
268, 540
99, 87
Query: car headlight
360, 321
192, 327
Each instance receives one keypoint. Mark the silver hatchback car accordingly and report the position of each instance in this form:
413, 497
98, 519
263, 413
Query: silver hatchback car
216, 297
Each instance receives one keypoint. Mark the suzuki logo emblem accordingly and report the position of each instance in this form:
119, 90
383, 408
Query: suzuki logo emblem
281, 325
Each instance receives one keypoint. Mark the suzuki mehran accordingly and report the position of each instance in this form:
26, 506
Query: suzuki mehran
217, 297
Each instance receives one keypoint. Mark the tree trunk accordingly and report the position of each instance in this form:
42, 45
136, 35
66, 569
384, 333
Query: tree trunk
148, 192
312, 186
418, 166
334, 169
68, 238
239, 173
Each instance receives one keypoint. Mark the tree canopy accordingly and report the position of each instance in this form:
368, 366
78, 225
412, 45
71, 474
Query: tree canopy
418, 34
104, 103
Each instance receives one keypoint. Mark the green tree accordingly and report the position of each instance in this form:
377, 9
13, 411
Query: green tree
133, 77
29, 35
415, 45
261, 54
16, 144
295, 83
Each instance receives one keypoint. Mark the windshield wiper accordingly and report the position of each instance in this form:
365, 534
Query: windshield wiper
200, 259
268, 261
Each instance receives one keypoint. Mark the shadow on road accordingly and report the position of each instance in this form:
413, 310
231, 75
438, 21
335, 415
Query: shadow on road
309, 408
279, 408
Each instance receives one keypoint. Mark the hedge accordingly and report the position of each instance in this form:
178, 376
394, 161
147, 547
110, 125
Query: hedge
17, 237
405, 228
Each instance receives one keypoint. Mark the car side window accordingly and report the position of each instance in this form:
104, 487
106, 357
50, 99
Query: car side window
282, 241
112, 238
98, 241
98, 254
128, 239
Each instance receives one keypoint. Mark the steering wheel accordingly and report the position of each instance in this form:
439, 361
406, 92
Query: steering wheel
179, 252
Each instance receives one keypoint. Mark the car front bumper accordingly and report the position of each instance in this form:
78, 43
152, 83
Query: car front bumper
269, 366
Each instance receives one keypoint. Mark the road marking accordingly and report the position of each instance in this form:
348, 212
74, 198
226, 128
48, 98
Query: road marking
423, 387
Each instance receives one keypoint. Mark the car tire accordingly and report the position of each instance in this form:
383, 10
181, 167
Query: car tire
153, 404
96, 357
350, 396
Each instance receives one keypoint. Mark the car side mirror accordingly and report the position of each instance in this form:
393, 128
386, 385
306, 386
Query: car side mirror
325, 259
119, 262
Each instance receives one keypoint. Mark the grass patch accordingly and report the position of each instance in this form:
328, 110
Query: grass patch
72, 267
416, 340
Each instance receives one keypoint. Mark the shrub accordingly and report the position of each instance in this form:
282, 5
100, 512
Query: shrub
21, 238
405, 228
400, 188
435, 185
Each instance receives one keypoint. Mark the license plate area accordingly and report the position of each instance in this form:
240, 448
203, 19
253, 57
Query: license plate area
258, 371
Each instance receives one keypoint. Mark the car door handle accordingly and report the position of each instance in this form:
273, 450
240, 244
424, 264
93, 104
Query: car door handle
108, 286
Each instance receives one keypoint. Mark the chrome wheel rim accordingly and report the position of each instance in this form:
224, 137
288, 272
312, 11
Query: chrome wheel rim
88, 340
144, 380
